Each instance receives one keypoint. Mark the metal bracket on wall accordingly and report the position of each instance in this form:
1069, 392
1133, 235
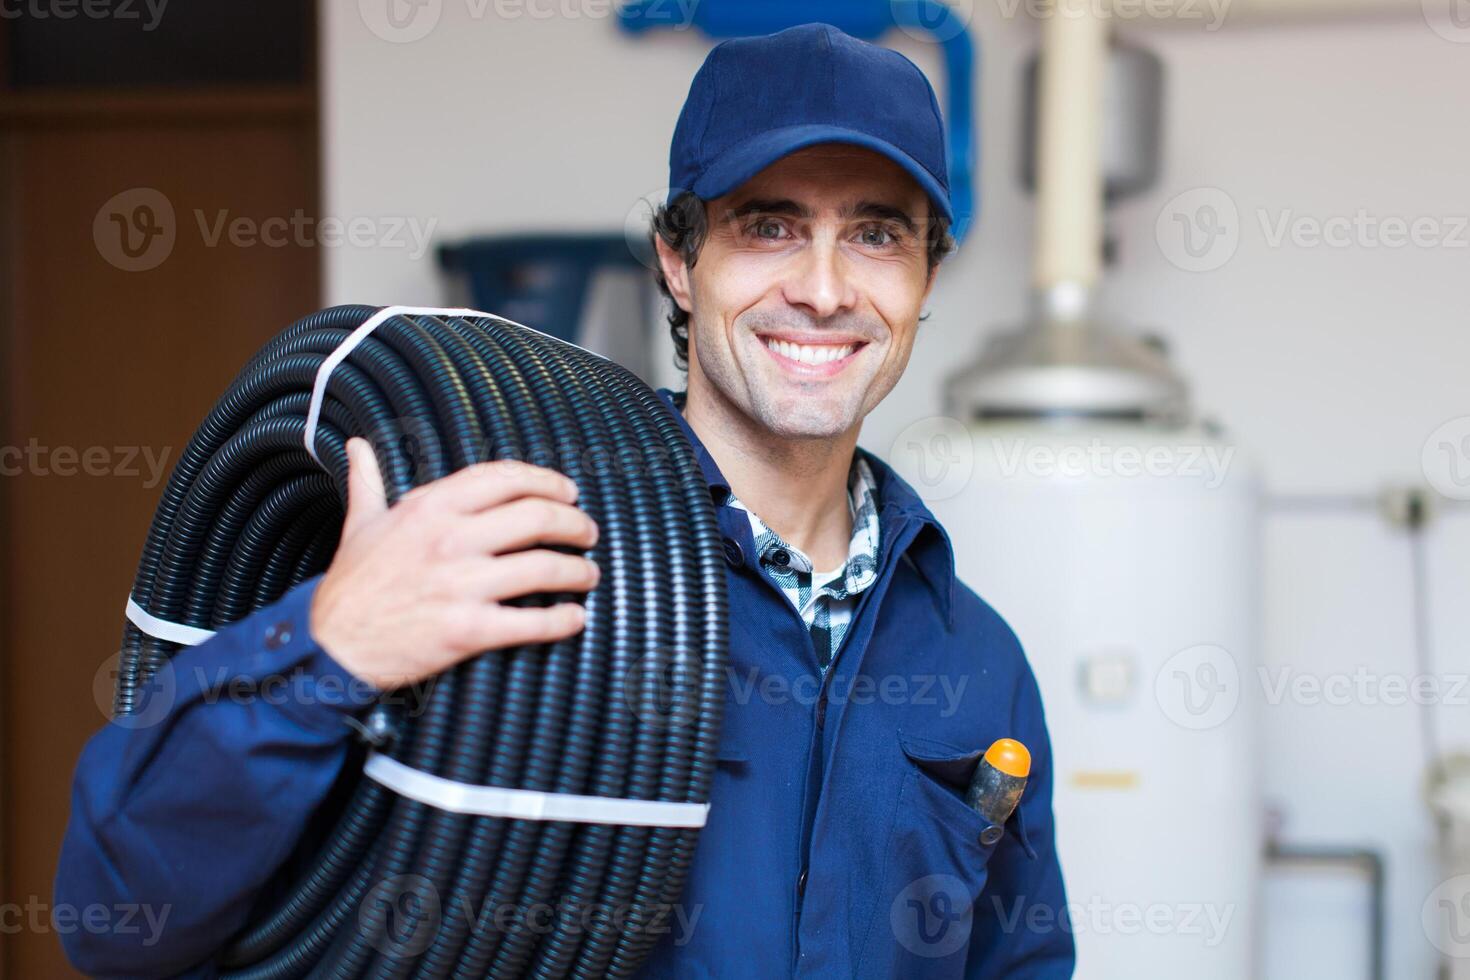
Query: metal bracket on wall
930, 20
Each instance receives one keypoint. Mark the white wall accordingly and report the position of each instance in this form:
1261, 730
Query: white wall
1332, 366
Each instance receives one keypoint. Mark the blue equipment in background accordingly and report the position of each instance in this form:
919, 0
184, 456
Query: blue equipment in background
866, 19
538, 280
589, 289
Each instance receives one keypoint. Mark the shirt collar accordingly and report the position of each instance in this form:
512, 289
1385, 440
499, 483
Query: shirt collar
930, 551
860, 567
719, 487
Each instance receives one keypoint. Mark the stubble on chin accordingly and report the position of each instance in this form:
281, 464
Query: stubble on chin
818, 416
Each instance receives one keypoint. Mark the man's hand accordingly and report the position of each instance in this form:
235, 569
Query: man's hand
417, 588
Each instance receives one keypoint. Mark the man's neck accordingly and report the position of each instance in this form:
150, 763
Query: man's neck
798, 487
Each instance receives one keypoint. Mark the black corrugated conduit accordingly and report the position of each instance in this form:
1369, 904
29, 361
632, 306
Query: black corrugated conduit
628, 709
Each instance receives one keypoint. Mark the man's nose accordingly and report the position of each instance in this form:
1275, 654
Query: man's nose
821, 282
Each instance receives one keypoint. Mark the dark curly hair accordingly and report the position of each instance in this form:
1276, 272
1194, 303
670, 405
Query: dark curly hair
683, 225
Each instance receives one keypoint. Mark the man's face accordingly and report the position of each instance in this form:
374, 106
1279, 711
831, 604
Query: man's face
807, 293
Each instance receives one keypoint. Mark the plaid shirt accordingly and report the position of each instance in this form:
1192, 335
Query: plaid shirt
825, 599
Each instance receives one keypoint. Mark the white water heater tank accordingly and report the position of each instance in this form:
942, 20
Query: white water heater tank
1125, 556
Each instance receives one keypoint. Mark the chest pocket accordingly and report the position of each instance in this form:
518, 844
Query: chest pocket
937, 857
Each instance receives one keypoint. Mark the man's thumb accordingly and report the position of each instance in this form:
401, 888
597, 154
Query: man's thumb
366, 497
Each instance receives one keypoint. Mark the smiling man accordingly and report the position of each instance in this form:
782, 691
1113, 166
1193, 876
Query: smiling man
810, 215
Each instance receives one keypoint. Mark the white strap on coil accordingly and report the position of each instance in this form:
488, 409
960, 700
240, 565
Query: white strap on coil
348, 345
525, 804
162, 629
324, 372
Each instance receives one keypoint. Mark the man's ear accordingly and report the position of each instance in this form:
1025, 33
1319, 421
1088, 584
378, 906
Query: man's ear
929, 284
931, 274
676, 273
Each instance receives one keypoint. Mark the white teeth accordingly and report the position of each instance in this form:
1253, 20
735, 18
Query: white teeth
809, 353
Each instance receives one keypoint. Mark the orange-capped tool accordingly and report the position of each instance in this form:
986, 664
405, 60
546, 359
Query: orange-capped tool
996, 788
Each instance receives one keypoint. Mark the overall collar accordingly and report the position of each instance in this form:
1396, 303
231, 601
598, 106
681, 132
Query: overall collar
930, 550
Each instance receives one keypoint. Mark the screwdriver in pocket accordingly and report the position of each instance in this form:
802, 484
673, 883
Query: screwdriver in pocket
999, 781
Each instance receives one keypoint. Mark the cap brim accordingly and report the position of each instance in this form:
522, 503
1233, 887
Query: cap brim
740, 163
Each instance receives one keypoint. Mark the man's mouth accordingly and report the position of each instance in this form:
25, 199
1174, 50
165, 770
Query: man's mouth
807, 357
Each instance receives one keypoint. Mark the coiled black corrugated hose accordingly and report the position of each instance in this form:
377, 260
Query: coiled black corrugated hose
630, 708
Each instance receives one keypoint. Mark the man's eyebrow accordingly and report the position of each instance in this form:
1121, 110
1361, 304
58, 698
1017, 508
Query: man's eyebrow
874, 210
880, 212
782, 206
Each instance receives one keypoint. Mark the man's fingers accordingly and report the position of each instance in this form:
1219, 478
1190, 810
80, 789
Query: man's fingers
509, 626
521, 524
484, 485
366, 497
526, 573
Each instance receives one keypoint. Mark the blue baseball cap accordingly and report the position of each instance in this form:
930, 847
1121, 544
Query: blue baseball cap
758, 99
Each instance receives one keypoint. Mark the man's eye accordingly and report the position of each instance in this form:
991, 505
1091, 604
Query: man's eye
877, 236
766, 229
